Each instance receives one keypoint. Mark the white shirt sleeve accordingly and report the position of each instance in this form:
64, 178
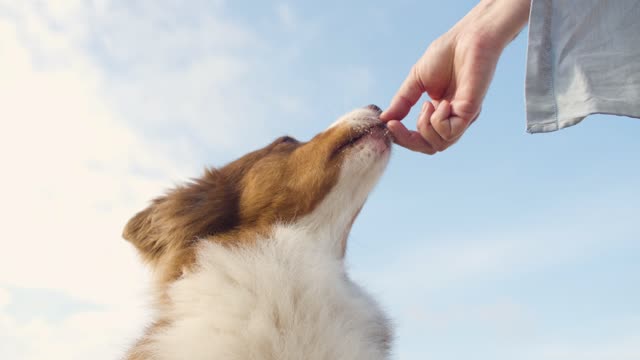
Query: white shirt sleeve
583, 58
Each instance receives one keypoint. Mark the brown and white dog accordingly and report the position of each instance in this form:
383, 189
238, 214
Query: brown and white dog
249, 259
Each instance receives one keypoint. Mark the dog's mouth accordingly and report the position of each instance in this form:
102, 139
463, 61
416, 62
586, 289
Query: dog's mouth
361, 134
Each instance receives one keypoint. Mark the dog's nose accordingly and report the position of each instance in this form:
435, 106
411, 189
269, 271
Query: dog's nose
374, 108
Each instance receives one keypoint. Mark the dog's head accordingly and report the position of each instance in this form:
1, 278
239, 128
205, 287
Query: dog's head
320, 185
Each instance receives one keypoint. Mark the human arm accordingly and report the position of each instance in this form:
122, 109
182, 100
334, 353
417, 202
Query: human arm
455, 71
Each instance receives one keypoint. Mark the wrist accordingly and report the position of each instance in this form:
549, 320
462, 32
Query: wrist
504, 19
495, 23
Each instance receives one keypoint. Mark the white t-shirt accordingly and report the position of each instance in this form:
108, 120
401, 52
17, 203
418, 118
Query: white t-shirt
583, 58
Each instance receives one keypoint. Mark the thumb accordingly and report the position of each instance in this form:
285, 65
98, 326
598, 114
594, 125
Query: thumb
431, 74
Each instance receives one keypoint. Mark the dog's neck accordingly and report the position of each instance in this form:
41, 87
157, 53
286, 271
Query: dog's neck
286, 298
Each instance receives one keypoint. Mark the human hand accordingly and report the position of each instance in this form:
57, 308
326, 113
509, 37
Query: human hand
455, 71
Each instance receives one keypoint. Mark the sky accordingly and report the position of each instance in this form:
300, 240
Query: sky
506, 246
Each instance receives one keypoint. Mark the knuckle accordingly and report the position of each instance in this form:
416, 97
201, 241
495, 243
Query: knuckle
439, 43
447, 131
428, 151
441, 146
416, 73
449, 136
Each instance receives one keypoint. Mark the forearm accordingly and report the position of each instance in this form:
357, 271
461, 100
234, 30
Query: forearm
497, 22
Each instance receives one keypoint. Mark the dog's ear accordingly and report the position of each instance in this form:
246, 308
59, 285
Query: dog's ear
137, 226
174, 222
139, 230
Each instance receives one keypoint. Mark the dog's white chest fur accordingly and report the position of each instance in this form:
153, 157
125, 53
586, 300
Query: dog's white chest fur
284, 296
286, 299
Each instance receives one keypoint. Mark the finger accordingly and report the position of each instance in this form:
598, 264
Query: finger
431, 74
448, 124
406, 97
475, 117
411, 140
426, 129
454, 141
435, 104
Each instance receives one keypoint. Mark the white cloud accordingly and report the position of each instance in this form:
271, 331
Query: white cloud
625, 348
5, 298
74, 170
501, 320
464, 255
104, 103
434, 285
90, 136
86, 335
196, 68
286, 15
68, 187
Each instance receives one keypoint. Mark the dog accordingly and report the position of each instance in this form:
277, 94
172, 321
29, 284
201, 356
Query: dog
248, 260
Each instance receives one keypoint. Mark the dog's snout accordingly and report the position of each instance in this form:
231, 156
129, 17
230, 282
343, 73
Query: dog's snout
360, 117
375, 108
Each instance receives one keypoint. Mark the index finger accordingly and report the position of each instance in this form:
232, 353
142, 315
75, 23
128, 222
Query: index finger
406, 97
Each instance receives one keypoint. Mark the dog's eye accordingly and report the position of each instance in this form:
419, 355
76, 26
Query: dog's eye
286, 140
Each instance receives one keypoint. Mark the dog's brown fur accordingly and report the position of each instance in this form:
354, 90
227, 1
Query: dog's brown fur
233, 205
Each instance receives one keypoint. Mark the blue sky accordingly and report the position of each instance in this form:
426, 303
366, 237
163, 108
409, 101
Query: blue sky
506, 246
